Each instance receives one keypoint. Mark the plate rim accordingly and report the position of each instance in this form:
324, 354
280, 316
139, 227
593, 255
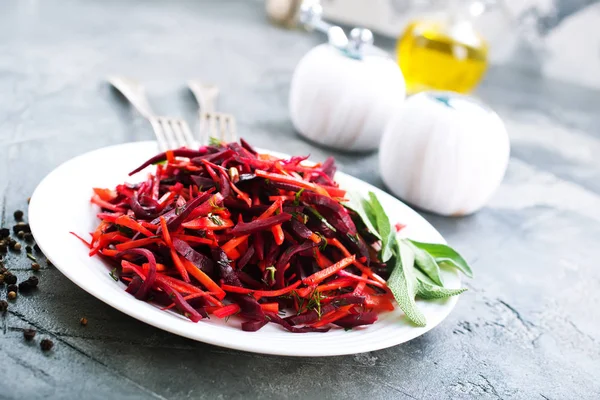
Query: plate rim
35, 224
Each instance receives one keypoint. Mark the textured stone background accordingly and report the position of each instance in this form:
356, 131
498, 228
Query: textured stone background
528, 328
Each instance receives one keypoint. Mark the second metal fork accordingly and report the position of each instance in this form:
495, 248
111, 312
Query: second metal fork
213, 124
171, 133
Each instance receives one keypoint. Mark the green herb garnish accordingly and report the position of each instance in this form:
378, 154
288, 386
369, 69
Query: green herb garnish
415, 266
113, 274
215, 219
213, 141
297, 197
321, 218
323, 242
214, 205
272, 271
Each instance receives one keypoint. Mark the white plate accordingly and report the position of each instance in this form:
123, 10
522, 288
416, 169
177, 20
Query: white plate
61, 204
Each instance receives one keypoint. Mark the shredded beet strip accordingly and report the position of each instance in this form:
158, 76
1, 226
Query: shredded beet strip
223, 230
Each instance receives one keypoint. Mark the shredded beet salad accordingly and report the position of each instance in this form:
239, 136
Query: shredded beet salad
224, 230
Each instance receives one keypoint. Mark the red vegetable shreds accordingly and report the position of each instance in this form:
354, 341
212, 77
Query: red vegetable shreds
225, 230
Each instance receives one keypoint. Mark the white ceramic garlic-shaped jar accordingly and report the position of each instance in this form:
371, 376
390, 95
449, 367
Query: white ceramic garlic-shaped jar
444, 152
344, 102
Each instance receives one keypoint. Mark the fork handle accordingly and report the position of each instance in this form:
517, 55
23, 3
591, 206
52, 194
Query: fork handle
206, 95
134, 92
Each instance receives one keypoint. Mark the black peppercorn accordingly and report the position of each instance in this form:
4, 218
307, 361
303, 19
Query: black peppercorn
3, 246
21, 227
21, 234
12, 288
28, 237
18, 215
3, 306
34, 280
25, 286
2, 269
29, 334
29, 284
4, 233
9, 278
17, 247
46, 344
28, 249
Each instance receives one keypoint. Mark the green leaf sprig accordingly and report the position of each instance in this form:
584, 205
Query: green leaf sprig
415, 266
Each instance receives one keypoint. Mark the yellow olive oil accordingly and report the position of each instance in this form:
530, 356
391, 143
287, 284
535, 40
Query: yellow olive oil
441, 55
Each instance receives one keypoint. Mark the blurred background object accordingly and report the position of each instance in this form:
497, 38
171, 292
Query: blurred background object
444, 152
547, 37
283, 12
444, 50
343, 92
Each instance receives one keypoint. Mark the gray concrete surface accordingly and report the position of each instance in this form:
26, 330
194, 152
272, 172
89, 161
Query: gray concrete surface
528, 328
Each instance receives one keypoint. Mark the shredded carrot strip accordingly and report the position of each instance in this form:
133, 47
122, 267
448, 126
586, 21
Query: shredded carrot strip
315, 238
364, 269
278, 234
322, 261
204, 279
329, 271
336, 284
170, 156
105, 204
260, 293
233, 243
294, 181
137, 243
333, 316
165, 232
194, 239
149, 226
128, 222
360, 287
88, 244
180, 267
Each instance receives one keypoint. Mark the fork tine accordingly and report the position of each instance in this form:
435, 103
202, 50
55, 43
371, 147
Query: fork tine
176, 126
187, 134
203, 128
222, 128
232, 129
163, 145
213, 130
218, 125
169, 134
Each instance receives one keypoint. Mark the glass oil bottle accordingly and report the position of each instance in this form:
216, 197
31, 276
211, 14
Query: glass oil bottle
444, 53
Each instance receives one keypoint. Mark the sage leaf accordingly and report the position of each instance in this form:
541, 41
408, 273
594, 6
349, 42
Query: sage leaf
426, 263
357, 204
403, 284
422, 277
445, 254
387, 233
428, 291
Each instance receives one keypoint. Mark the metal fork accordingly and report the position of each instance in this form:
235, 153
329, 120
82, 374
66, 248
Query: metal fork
212, 123
171, 133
